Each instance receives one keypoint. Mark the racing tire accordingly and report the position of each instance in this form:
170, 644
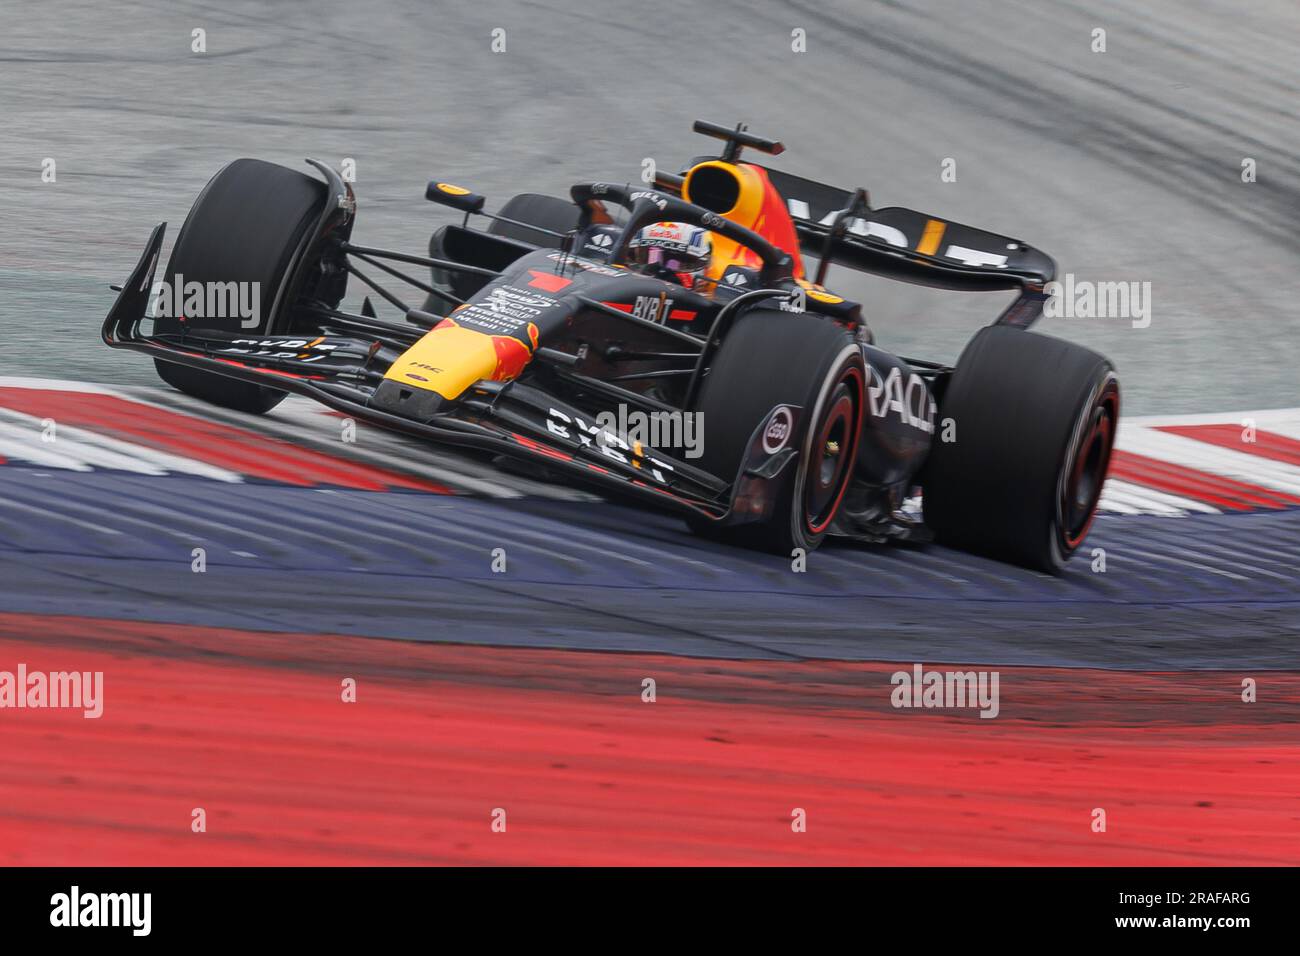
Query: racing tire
1032, 422
775, 358
247, 225
545, 212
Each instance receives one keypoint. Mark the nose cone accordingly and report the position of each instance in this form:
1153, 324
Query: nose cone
446, 361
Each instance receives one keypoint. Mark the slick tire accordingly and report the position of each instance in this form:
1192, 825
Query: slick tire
247, 225
775, 358
1032, 423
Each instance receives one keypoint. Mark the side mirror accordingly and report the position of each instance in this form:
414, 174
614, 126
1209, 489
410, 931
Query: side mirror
457, 197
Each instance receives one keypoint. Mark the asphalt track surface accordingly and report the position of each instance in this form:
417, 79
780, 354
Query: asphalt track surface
1124, 165
1121, 690
605, 577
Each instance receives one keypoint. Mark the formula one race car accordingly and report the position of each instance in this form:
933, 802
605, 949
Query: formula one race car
588, 336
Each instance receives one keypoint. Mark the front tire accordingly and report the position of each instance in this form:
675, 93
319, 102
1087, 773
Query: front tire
776, 358
1033, 422
247, 225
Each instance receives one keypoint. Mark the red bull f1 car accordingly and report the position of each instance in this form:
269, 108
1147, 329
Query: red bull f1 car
564, 330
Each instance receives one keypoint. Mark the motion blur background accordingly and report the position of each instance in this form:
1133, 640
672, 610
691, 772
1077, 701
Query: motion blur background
1123, 165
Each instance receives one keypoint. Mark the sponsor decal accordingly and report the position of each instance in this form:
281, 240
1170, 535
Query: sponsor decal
600, 243
975, 257
877, 230
821, 295
505, 296
911, 401
512, 354
674, 237
928, 244
548, 281
655, 198
609, 443
505, 310
676, 315
652, 308
931, 237
779, 428
431, 369
857, 227
304, 350
586, 264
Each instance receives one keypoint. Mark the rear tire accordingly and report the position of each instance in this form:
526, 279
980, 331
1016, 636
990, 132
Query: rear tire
246, 226
1035, 420
776, 358
546, 212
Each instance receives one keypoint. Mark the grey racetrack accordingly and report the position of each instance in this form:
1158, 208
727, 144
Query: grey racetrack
1124, 165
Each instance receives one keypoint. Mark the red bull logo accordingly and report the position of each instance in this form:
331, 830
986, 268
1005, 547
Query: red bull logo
512, 354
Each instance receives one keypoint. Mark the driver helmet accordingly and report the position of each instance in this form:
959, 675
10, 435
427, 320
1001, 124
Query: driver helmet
671, 250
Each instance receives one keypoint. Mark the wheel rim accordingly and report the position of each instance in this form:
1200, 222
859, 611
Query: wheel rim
1085, 469
831, 451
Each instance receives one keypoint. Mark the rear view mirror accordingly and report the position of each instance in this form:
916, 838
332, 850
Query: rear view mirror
457, 197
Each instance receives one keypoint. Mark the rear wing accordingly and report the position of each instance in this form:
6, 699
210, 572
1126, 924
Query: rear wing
839, 226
